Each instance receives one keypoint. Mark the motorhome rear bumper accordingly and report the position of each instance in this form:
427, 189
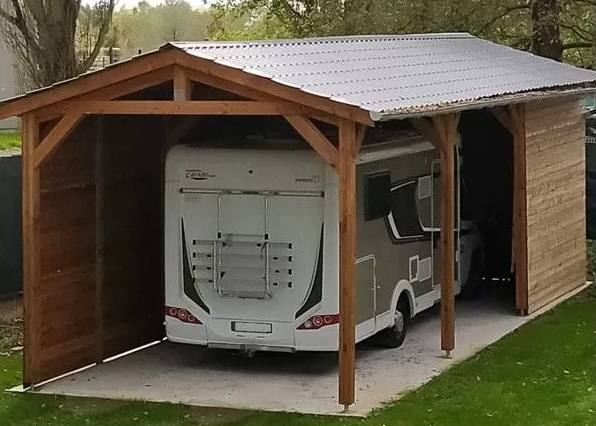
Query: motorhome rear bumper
283, 337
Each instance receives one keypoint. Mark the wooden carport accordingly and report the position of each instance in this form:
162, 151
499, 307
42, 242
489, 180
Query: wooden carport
79, 265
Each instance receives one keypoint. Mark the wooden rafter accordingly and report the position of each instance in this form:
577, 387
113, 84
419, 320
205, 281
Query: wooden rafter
446, 129
112, 91
270, 87
315, 138
88, 83
51, 142
252, 94
347, 262
180, 107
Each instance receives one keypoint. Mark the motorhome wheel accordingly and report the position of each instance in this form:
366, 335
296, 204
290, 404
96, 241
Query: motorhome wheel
393, 337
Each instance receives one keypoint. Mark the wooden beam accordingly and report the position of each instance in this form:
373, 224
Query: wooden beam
360, 134
446, 128
51, 142
99, 239
279, 90
425, 127
253, 94
520, 218
315, 138
347, 261
181, 108
31, 252
182, 85
502, 115
89, 82
112, 91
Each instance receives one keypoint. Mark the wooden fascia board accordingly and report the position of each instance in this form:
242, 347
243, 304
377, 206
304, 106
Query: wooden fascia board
249, 93
180, 108
265, 85
315, 139
51, 142
87, 83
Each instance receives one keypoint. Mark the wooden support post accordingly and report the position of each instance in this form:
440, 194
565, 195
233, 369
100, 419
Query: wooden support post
31, 251
347, 259
513, 119
520, 219
99, 238
446, 129
182, 85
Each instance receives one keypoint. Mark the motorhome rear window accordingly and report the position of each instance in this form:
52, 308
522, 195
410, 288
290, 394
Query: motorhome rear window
376, 195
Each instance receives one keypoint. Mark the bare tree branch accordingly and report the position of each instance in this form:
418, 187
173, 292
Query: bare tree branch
503, 14
103, 32
578, 45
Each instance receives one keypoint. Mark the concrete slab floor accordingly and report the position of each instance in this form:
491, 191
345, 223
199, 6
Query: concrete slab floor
302, 382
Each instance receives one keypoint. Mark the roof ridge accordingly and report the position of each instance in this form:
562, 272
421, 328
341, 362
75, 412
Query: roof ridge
323, 40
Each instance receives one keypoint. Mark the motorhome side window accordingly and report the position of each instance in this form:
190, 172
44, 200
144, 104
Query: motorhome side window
377, 187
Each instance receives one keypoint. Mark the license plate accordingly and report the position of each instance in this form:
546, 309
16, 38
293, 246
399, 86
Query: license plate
252, 327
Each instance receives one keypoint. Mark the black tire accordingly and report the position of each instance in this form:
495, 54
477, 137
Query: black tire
472, 290
393, 337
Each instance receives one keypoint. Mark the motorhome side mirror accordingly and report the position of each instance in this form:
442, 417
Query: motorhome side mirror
377, 191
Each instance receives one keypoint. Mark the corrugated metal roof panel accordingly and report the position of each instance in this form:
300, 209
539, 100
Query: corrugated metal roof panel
389, 75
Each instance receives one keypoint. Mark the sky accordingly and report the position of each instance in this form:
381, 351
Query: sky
131, 3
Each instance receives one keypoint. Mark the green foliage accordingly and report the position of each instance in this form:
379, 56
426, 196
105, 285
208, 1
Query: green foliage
9, 140
543, 374
503, 21
591, 251
147, 27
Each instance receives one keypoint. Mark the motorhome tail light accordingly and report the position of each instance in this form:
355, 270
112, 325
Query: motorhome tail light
181, 314
317, 321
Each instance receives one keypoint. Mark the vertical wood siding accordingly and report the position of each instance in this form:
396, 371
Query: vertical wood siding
131, 305
65, 295
133, 266
555, 182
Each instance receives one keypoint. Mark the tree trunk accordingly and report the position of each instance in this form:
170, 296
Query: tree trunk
546, 31
42, 37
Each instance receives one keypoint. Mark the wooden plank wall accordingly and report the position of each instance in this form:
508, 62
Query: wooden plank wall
65, 301
133, 267
555, 182
77, 329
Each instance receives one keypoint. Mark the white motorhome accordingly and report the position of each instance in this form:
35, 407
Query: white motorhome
251, 245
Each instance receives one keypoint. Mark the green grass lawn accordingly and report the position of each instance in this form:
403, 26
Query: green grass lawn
9, 140
543, 374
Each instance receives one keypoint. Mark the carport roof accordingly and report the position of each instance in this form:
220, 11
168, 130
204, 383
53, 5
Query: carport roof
386, 76
392, 75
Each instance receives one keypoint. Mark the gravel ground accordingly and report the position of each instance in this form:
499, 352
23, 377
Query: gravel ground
11, 336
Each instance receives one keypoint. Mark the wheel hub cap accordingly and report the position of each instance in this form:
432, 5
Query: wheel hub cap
399, 321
